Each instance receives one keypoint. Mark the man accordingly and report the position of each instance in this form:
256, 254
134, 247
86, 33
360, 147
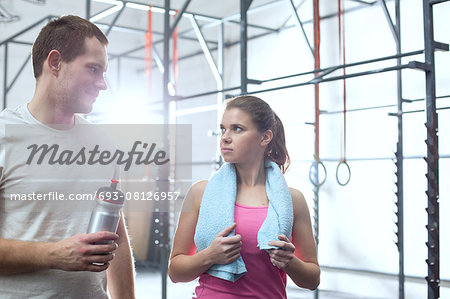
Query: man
44, 252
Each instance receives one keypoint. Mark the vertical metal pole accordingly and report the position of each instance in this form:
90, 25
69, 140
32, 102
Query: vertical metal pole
164, 169
88, 9
220, 62
316, 26
316, 215
432, 158
244, 39
399, 160
220, 59
166, 58
5, 76
163, 260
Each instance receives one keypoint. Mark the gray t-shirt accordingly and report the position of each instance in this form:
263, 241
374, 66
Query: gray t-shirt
42, 201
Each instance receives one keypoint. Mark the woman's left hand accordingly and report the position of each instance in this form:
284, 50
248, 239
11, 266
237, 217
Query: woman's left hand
283, 256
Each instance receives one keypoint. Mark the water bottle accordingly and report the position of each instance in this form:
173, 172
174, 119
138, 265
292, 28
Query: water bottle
106, 215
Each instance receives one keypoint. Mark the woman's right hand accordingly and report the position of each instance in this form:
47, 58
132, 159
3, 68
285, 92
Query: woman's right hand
223, 249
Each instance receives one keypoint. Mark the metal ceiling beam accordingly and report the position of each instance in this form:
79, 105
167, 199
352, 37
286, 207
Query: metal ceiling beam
206, 51
182, 33
214, 20
364, 2
383, 107
47, 18
389, 20
323, 74
323, 80
21, 43
290, 16
139, 30
116, 17
300, 25
252, 10
5, 43
107, 12
432, 2
226, 45
24, 64
244, 5
346, 65
329, 16
179, 16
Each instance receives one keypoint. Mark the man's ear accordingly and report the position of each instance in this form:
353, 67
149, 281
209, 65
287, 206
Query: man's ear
267, 137
54, 61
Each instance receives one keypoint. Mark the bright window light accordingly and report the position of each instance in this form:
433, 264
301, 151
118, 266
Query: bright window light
118, 6
112, 2
137, 6
145, 8
171, 89
189, 111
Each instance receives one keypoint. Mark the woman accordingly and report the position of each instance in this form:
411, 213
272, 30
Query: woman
252, 134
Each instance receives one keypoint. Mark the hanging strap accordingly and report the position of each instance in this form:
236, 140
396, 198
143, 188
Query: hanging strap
175, 54
316, 23
343, 161
148, 55
317, 164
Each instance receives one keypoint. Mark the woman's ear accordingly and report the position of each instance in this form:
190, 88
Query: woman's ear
54, 61
267, 137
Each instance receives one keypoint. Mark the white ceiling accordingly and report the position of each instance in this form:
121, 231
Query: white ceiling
272, 14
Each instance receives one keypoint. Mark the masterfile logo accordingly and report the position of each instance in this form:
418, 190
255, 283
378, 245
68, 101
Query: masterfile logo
59, 166
95, 156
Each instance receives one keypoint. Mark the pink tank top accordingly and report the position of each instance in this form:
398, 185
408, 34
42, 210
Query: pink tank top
262, 279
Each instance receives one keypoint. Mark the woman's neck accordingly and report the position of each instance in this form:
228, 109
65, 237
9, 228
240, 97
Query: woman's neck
251, 175
251, 185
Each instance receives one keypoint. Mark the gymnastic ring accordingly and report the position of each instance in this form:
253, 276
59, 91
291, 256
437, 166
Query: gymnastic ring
337, 173
311, 179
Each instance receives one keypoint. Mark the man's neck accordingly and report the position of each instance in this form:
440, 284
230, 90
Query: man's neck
49, 114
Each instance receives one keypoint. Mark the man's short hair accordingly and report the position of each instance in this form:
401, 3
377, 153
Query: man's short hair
67, 34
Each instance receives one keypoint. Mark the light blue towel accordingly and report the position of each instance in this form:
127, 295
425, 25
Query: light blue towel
217, 213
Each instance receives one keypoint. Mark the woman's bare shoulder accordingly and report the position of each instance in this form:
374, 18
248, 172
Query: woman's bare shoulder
297, 195
298, 202
197, 191
199, 187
